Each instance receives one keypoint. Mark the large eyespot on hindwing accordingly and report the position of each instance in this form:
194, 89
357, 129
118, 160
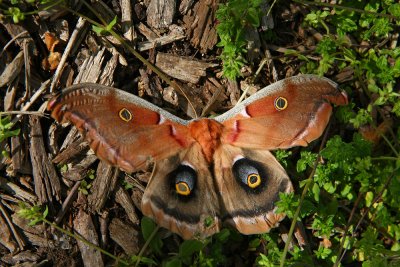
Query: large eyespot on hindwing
250, 175
183, 181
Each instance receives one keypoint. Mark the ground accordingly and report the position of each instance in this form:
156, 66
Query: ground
352, 203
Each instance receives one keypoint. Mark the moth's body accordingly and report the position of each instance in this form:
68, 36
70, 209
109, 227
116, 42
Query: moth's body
208, 171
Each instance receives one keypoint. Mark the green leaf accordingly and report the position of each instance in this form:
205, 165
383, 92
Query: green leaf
394, 9
369, 196
103, 30
188, 247
322, 252
148, 227
316, 190
253, 17
145, 260
175, 262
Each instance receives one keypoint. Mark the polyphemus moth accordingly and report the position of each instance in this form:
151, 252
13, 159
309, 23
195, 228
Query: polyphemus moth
207, 171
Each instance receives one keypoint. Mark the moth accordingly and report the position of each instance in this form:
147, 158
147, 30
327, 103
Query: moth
208, 172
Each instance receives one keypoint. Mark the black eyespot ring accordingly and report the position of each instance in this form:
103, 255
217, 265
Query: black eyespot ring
280, 103
125, 115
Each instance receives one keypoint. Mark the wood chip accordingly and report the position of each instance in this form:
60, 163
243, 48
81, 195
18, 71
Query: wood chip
21, 162
73, 150
122, 197
12, 70
126, 20
6, 236
84, 226
32, 234
137, 196
79, 171
125, 235
160, 41
17, 191
160, 13
185, 6
182, 68
103, 185
200, 25
24, 256
47, 183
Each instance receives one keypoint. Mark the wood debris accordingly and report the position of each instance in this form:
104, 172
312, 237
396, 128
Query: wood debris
181, 68
50, 164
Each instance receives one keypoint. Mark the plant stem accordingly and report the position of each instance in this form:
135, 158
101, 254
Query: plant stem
86, 242
303, 195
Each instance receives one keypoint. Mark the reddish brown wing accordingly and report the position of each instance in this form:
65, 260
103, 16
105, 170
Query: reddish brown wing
122, 129
291, 112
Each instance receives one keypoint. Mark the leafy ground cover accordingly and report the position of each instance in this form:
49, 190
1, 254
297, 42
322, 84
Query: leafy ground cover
347, 193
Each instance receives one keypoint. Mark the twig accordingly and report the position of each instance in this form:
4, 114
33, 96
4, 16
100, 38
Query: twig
20, 241
79, 25
11, 41
67, 202
38, 93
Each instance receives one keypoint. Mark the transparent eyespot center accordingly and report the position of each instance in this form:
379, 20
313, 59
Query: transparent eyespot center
182, 188
253, 180
125, 115
280, 103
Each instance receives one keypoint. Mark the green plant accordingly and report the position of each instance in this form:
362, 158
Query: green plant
234, 18
5, 128
17, 10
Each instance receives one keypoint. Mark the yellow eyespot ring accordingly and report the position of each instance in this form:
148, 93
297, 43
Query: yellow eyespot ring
125, 114
280, 103
182, 188
253, 180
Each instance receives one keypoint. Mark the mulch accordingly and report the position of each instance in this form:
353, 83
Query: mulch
47, 163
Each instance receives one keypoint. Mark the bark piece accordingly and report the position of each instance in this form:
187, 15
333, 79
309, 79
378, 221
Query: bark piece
33, 234
80, 170
19, 151
160, 41
12, 70
17, 191
73, 193
147, 32
125, 235
201, 23
160, 13
234, 92
182, 68
9, 99
22, 257
185, 6
6, 236
103, 185
126, 20
83, 224
122, 197
137, 196
91, 69
47, 183
72, 151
